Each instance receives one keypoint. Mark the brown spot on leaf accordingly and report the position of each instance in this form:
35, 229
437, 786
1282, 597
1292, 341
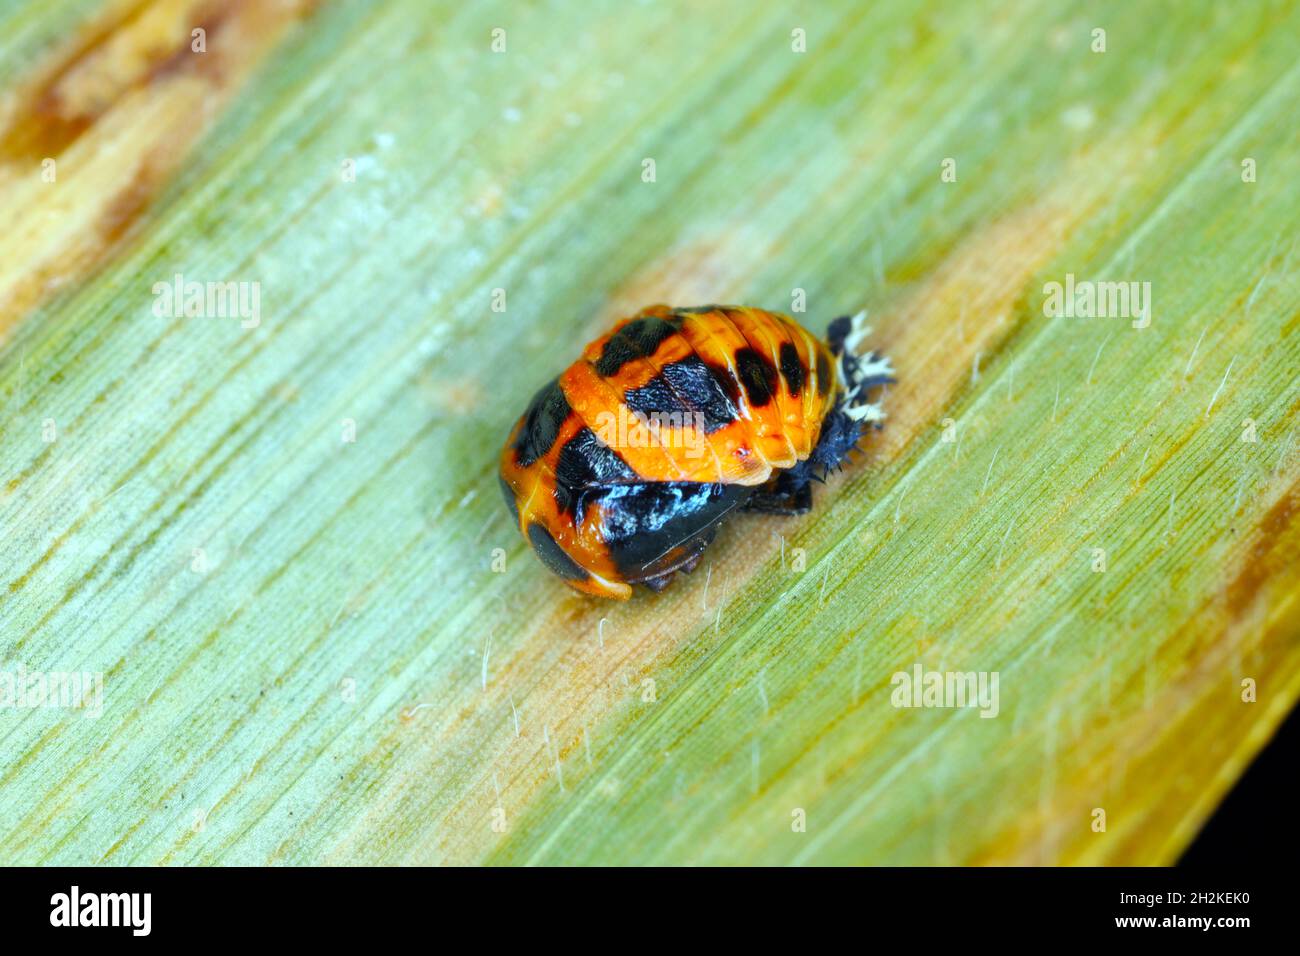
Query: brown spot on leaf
118, 107
1273, 555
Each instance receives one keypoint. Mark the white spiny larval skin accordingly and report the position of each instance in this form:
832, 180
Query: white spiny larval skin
874, 369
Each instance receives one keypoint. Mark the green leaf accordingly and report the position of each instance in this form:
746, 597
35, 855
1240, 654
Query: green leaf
306, 654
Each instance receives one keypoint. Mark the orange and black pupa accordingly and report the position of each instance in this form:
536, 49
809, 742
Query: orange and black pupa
622, 467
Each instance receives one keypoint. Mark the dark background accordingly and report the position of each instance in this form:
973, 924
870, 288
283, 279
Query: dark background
1257, 820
